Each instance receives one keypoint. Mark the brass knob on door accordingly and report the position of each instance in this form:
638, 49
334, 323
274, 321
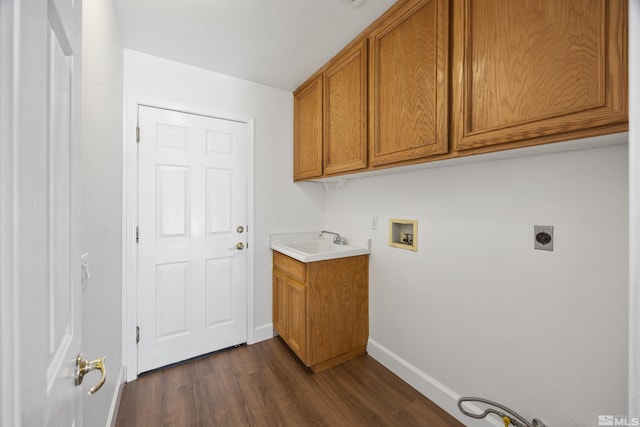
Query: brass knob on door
239, 246
240, 229
83, 367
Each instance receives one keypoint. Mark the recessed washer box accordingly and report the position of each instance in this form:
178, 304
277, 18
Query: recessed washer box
403, 234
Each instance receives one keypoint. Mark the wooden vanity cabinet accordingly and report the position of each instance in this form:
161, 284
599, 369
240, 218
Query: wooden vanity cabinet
409, 83
531, 72
321, 309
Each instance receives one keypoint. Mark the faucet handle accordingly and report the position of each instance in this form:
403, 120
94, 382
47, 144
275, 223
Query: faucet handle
339, 240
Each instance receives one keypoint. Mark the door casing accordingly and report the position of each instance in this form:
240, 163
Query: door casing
10, 387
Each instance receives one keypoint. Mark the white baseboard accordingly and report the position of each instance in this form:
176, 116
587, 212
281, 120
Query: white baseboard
436, 392
115, 402
262, 333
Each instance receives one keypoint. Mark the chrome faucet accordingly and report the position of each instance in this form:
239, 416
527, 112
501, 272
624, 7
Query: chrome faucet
336, 237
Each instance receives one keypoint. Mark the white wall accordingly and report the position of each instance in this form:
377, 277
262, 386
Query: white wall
279, 204
101, 203
477, 309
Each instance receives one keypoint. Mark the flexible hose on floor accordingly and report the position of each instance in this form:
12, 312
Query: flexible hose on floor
509, 417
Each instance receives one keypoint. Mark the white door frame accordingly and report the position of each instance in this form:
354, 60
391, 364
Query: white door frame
130, 215
634, 210
9, 366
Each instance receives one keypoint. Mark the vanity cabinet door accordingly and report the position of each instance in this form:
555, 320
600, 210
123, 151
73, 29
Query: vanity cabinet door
409, 83
297, 318
280, 303
529, 72
290, 302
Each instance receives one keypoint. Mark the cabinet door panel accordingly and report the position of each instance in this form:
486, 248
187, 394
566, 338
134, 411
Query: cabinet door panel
297, 318
535, 68
345, 112
409, 83
307, 130
280, 302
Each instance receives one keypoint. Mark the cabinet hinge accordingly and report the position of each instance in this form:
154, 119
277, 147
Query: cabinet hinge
137, 133
137, 334
137, 234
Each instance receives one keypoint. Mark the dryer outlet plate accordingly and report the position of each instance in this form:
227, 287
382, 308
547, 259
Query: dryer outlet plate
543, 237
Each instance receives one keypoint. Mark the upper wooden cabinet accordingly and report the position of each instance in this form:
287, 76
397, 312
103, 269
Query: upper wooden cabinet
409, 83
307, 130
440, 79
345, 111
534, 71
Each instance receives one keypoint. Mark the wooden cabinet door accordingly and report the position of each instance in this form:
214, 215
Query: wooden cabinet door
345, 112
280, 303
409, 83
307, 130
297, 318
538, 71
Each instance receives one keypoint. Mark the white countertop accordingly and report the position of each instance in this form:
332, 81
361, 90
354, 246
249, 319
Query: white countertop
319, 248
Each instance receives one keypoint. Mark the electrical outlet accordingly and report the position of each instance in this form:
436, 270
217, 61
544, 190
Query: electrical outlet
543, 237
373, 222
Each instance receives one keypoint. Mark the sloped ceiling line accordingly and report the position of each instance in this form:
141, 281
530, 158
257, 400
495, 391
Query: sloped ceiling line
278, 43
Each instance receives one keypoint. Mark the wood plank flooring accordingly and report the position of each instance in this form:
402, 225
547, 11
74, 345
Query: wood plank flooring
265, 385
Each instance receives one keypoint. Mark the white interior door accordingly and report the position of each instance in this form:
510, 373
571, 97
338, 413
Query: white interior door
64, 290
47, 37
191, 293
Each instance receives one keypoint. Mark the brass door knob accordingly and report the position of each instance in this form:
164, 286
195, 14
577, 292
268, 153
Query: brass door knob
83, 367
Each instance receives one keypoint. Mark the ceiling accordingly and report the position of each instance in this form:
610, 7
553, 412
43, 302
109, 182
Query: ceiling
278, 43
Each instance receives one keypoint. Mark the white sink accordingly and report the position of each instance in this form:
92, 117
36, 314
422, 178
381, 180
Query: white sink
310, 247
315, 246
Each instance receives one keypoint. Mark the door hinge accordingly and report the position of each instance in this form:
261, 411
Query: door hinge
137, 234
137, 334
137, 133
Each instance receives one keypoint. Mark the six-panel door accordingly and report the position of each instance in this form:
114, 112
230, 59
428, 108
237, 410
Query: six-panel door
191, 295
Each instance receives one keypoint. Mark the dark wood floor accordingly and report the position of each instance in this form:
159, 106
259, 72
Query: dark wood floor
265, 385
